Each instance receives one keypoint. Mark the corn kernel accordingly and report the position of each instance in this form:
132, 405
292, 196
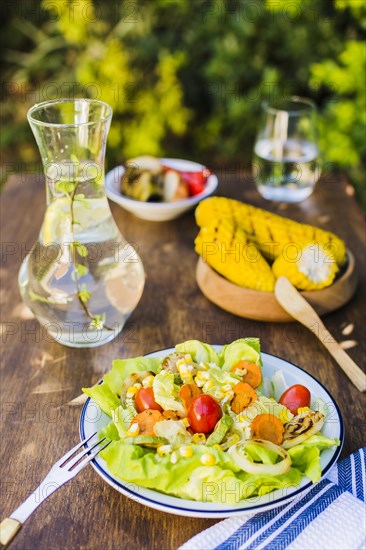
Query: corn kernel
284, 416
185, 422
199, 439
199, 383
226, 388
202, 375
303, 409
183, 368
204, 366
240, 372
188, 358
219, 394
186, 451
137, 385
133, 430
180, 363
208, 459
148, 381
163, 450
208, 385
174, 457
132, 391
218, 447
229, 393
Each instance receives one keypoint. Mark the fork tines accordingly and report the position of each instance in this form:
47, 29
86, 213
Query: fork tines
72, 465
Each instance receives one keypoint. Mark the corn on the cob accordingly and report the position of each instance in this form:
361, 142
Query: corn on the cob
270, 232
311, 270
225, 247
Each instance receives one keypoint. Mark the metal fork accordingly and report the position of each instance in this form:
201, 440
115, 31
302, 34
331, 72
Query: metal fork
61, 472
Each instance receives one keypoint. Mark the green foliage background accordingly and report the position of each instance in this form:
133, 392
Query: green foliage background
186, 77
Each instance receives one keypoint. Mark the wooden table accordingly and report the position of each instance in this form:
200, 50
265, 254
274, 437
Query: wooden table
40, 377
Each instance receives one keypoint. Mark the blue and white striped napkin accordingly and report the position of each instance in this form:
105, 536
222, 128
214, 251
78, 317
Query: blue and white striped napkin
330, 515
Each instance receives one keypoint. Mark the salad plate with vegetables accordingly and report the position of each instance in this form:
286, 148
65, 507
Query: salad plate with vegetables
212, 431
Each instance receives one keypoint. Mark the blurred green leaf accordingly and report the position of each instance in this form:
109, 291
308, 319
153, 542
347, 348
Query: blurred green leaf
186, 78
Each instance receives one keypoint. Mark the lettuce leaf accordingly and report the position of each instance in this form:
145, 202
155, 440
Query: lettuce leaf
122, 418
307, 461
188, 478
134, 464
265, 387
218, 485
166, 393
220, 378
244, 349
321, 441
213, 484
174, 431
105, 395
121, 368
200, 352
262, 484
279, 384
306, 457
109, 432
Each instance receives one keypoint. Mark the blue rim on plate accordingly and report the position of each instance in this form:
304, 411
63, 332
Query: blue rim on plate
220, 512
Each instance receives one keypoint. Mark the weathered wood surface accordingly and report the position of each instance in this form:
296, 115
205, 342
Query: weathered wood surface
39, 377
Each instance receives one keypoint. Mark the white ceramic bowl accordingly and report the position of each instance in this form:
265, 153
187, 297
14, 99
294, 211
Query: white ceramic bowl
158, 211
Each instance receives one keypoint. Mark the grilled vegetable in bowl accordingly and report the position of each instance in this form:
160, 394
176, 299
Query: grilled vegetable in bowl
203, 434
200, 181
148, 179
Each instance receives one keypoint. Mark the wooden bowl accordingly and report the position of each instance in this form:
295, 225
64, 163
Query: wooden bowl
263, 306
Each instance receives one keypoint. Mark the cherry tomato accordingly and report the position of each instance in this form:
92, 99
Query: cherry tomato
196, 181
294, 397
144, 399
203, 414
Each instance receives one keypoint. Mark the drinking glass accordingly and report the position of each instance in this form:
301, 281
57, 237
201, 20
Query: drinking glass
82, 279
286, 157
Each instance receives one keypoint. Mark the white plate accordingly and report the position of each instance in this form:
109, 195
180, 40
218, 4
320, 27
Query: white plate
93, 419
158, 211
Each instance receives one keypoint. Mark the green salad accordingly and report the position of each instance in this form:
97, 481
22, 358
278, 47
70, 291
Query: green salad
207, 426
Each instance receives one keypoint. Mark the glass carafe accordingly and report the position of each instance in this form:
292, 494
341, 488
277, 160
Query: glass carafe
81, 279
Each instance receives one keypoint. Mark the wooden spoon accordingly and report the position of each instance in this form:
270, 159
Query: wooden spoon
292, 301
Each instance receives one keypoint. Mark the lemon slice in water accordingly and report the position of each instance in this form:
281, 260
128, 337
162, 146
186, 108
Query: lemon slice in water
88, 213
